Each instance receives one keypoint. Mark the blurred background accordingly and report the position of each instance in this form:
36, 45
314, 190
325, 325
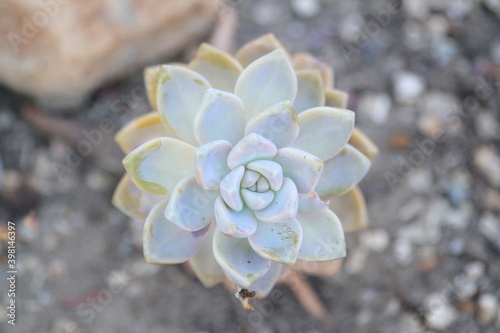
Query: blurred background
424, 81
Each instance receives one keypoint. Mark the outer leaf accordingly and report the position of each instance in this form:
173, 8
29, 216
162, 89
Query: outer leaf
158, 165
190, 207
336, 98
204, 265
166, 243
140, 130
306, 61
342, 172
324, 131
238, 260
310, 90
257, 48
221, 117
218, 67
351, 210
133, 202
151, 74
266, 283
178, 97
279, 242
323, 236
265, 82
361, 142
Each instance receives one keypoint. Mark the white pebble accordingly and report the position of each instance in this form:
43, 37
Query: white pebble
375, 107
306, 8
439, 315
487, 161
375, 240
474, 269
488, 306
408, 86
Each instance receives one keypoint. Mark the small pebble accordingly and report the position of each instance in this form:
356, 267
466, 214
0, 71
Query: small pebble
266, 13
456, 247
491, 200
487, 161
403, 252
420, 180
63, 325
488, 307
464, 287
495, 51
375, 107
356, 261
306, 8
475, 270
459, 187
375, 240
408, 86
440, 315
489, 226
486, 125
418, 9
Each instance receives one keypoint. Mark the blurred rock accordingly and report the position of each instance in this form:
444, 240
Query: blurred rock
489, 226
458, 188
416, 8
464, 287
63, 325
486, 125
403, 252
475, 269
306, 8
439, 314
375, 107
493, 5
491, 200
407, 86
495, 51
59, 51
420, 180
439, 113
375, 240
356, 261
487, 161
266, 13
488, 306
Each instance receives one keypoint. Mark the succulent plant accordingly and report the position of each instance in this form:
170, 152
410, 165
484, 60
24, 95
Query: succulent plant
244, 165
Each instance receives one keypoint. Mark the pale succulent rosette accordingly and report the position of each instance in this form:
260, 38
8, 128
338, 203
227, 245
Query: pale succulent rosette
239, 167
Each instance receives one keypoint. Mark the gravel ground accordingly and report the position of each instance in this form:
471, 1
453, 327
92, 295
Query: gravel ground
430, 260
